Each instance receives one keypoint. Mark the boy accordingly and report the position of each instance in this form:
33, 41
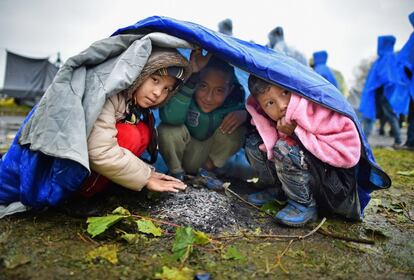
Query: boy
312, 149
201, 127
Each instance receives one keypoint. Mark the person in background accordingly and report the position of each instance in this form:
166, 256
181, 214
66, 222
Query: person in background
405, 59
383, 89
277, 42
319, 65
226, 27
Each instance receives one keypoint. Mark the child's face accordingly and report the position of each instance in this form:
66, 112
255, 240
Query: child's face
212, 89
154, 90
274, 102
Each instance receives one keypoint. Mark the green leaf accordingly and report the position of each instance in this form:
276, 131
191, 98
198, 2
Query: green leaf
257, 231
108, 252
98, 225
131, 238
406, 173
183, 243
201, 238
232, 254
121, 211
175, 274
146, 226
271, 207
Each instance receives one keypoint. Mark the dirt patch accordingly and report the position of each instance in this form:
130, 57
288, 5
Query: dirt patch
54, 245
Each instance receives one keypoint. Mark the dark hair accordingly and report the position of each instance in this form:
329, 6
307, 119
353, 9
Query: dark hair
219, 64
257, 86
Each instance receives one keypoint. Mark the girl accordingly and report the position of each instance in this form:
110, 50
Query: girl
125, 128
311, 154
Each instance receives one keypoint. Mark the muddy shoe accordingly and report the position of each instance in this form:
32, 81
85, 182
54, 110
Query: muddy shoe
267, 195
210, 180
296, 215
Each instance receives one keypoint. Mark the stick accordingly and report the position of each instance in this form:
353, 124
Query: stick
88, 240
227, 189
156, 220
346, 238
277, 235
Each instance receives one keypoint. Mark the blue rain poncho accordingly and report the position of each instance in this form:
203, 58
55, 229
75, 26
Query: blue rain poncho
385, 74
319, 61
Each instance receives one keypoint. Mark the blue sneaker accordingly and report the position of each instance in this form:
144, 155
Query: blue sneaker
267, 195
296, 215
210, 180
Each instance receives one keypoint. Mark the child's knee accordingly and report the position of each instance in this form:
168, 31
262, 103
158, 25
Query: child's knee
173, 133
289, 154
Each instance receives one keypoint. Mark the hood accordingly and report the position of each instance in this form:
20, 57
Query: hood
320, 57
385, 44
411, 18
160, 58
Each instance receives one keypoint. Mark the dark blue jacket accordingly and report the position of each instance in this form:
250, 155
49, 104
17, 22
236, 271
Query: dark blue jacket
319, 61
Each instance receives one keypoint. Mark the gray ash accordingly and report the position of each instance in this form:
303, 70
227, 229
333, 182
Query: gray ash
205, 210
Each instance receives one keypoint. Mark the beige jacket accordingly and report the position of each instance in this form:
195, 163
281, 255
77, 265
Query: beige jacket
106, 157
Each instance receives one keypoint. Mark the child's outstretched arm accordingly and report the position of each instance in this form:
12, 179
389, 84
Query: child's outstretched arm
328, 135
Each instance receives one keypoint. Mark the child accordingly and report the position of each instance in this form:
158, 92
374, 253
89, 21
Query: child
201, 127
48, 161
125, 128
313, 150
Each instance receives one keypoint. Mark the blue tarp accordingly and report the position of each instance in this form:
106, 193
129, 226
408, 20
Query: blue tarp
259, 60
277, 68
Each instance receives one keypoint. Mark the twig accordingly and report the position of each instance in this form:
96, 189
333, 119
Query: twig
314, 230
276, 235
156, 220
88, 240
227, 189
317, 229
346, 238
286, 249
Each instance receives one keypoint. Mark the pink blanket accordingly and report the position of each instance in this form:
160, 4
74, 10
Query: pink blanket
328, 135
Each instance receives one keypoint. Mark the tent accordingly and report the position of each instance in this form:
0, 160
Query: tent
27, 78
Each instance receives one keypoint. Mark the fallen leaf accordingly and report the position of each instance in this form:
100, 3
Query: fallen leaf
406, 173
148, 227
121, 211
175, 274
183, 243
98, 225
201, 238
232, 254
107, 252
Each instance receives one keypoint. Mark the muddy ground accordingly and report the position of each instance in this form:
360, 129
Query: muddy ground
52, 244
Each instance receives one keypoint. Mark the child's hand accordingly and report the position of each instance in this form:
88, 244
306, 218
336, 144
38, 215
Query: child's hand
159, 182
284, 127
198, 61
232, 121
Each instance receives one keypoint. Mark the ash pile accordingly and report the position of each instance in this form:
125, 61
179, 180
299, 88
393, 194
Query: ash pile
206, 210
